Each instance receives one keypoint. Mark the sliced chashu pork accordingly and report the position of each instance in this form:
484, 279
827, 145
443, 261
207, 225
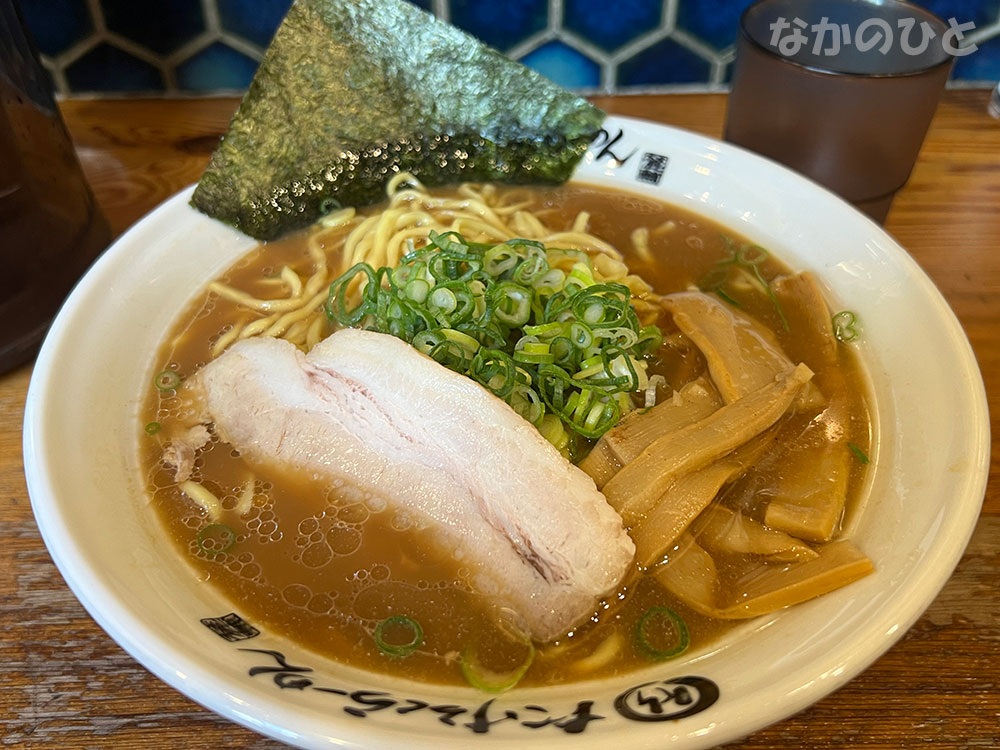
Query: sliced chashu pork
368, 409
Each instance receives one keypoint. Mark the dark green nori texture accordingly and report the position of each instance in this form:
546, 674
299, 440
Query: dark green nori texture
351, 91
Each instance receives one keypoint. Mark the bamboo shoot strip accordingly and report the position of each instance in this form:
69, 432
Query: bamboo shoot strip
808, 315
601, 463
742, 355
721, 530
626, 440
635, 488
693, 578
680, 505
809, 498
690, 574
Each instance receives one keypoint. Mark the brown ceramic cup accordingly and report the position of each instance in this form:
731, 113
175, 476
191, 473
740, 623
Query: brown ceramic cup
851, 111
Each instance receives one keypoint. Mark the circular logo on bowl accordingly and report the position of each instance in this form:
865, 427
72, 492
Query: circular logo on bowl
675, 698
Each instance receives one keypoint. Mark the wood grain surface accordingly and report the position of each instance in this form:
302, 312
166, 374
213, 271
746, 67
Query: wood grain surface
65, 684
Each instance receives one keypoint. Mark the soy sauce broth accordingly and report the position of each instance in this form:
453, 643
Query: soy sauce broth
324, 564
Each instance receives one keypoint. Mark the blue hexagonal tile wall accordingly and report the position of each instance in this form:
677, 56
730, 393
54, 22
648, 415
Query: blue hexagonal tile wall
161, 27
56, 25
713, 21
980, 12
610, 25
107, 68
206, 45
564, 65
983, 64
215, 67
254, 20
664, 62
500, 24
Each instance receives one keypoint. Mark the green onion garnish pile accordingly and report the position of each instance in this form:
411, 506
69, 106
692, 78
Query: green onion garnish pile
531, 324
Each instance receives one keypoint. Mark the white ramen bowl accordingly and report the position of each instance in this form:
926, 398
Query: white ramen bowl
929, 466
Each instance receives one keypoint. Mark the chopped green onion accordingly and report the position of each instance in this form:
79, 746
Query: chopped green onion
531, 270
714, 279
511, 303
546, 329
752, 255
417, 290
152, 428
532, 351
329, 204
495, 370
620, 336
551, 282
726, 298
485, 679
222, 539
167, 380
552, 430
581, 335
748, 258
651, 386
580, 276
443, 299
845, 326
464, 340
399, 650
527, 403
650, 339
499, 259
858, 453
677, 624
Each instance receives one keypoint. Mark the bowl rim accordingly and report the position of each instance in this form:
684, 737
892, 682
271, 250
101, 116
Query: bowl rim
182, 671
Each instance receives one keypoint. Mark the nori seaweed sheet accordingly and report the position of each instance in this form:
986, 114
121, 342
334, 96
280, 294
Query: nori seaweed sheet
351, 91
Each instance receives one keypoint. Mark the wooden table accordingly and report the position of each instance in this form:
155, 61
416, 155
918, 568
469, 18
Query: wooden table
66, 684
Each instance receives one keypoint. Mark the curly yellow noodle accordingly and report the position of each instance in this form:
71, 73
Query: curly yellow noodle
227, 338
640, 242
398, 245
315, 332
528, 225
254, 303
469, 191
400, 178
293, 280
338, 218
296, 333
281, 324
352, 254
477, 231
581, 241
258, 327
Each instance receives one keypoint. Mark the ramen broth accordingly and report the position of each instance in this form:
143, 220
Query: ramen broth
325, 564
